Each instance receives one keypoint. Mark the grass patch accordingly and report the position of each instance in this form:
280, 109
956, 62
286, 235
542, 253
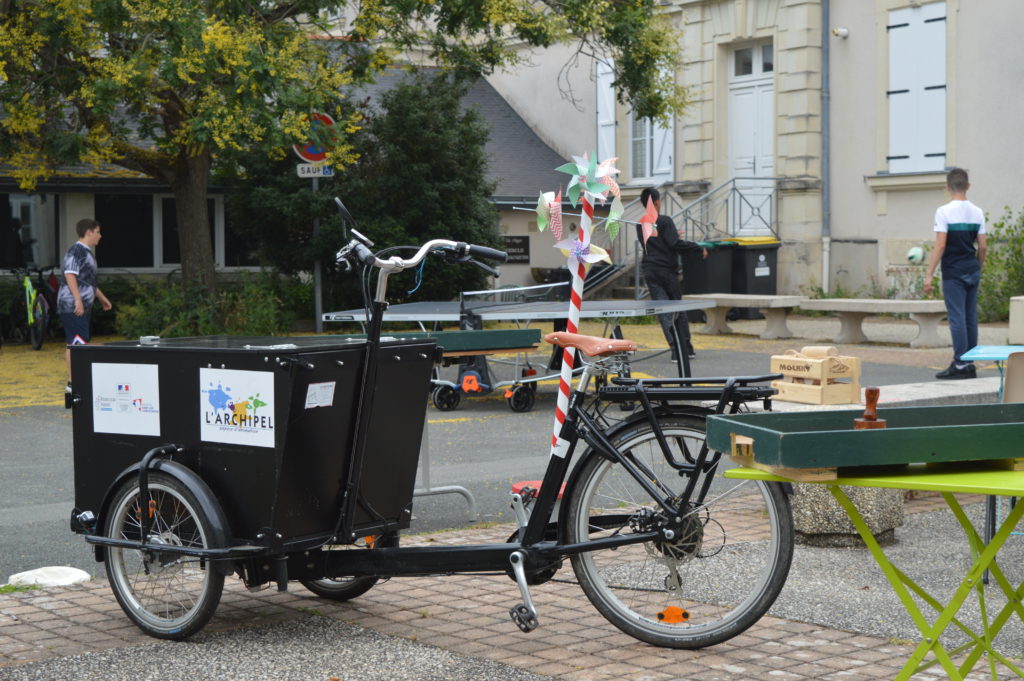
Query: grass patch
14, 588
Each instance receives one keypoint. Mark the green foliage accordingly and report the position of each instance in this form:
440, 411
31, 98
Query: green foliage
254, 306
14, 588
421, 175
1002, 277
171, 88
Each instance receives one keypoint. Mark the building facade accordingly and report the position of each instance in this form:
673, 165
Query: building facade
830, 123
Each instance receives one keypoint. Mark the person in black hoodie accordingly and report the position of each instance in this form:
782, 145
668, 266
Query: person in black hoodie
660, 266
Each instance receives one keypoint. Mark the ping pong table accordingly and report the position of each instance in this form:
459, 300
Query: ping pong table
470, 313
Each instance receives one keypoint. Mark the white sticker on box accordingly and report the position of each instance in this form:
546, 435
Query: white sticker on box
320, 395
236, 407
126, 399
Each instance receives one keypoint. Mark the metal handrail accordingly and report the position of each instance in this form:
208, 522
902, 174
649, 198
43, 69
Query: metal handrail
731, 210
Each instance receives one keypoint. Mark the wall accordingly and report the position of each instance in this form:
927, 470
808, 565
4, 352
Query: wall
983, 102
537, 91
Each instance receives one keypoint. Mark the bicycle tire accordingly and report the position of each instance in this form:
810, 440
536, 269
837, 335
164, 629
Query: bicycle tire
345, 588
37, 330
722, 573
166, 595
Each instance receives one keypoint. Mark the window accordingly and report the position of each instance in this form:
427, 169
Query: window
169, 222
127, 223
917, 88
640, 142
650, 150
754, 61
141, 232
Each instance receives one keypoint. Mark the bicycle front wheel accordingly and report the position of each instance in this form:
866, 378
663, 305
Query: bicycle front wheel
37, 327
165, 594
719, 575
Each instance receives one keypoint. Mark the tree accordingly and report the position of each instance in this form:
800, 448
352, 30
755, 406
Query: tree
168, 88
421, 174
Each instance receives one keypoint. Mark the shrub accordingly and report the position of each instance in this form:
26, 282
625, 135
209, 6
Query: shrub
1003, 274
263, 305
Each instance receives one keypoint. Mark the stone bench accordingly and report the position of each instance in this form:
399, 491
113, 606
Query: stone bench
852, 311
775, 308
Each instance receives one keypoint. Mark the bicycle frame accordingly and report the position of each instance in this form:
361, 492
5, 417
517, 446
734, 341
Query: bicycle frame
30, 298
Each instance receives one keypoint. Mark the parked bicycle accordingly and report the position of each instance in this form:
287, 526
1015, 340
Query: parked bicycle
33, 306
666, 548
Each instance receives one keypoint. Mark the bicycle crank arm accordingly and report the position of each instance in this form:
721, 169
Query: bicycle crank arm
524, 614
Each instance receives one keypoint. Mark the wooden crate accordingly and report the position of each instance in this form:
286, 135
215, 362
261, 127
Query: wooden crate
817, 375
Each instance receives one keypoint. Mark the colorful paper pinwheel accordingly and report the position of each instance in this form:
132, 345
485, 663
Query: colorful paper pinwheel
648, 220
589, 178
549, 212
582, 251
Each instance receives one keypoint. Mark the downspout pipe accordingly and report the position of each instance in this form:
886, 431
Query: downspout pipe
826, 137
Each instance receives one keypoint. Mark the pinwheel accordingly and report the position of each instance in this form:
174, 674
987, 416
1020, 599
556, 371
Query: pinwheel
648, 220
549, 212
591, 182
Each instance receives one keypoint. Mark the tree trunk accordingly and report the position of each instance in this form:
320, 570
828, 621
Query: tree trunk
191, 177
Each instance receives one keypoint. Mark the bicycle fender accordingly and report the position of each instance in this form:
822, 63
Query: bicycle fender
691, 410
220, 530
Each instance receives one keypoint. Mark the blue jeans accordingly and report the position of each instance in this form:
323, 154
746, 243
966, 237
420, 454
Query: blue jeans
962, 310
663, 284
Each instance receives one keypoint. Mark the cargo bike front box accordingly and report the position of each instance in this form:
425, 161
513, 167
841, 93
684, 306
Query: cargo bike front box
266, 425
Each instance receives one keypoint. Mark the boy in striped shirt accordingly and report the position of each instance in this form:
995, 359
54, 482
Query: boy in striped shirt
958, 225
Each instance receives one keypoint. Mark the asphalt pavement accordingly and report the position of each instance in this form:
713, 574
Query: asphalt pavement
835, 618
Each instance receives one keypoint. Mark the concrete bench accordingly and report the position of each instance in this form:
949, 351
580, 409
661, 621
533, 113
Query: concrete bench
852, 311
773, 307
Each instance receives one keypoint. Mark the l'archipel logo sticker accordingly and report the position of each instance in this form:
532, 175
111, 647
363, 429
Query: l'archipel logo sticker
236, 407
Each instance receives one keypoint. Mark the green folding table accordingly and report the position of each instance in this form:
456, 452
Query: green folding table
948, 479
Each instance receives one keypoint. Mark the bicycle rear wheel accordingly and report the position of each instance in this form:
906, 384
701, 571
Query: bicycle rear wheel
37, 329
722, 572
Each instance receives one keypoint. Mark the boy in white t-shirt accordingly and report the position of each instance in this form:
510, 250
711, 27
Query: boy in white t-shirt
958, 225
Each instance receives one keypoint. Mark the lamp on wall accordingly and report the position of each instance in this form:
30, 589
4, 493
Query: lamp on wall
841, 32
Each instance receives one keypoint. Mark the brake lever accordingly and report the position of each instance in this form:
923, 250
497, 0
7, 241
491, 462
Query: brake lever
486, 268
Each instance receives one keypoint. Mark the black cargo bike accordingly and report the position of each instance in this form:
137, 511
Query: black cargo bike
294, 459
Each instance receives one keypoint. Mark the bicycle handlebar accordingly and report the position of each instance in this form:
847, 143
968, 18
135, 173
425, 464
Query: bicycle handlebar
485, 252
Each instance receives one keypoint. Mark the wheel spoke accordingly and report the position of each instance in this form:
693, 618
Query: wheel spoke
168, 595
720, 570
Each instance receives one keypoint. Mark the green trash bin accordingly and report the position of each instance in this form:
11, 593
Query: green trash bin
754, 270
707, 275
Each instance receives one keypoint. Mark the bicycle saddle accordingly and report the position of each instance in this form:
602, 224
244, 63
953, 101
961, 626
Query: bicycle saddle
591, 346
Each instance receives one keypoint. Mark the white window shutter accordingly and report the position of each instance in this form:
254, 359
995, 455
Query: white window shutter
605, 111
662, 152
916, 89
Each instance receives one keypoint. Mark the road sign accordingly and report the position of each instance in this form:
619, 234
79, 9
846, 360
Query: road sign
310, 151
314, 170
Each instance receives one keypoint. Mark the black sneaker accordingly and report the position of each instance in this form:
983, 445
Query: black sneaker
954, 371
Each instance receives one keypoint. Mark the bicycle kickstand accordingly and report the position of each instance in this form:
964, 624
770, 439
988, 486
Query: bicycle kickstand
524, 614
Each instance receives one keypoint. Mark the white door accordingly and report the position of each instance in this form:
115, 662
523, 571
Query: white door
752, 136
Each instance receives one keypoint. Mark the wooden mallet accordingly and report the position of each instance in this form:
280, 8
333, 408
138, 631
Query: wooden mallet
870, 418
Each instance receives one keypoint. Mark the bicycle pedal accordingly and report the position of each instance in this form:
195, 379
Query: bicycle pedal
524, 618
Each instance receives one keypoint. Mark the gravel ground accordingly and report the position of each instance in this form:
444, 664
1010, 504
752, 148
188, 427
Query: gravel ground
845, 589
305, 650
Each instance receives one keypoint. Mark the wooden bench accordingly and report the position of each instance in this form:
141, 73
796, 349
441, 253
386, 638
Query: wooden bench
775, 308
852, 311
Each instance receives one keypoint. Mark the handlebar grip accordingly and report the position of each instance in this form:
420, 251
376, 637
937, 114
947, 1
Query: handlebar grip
364, 254
485, 252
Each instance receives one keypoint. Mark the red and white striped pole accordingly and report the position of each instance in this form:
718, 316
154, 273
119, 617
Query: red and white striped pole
558, 445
